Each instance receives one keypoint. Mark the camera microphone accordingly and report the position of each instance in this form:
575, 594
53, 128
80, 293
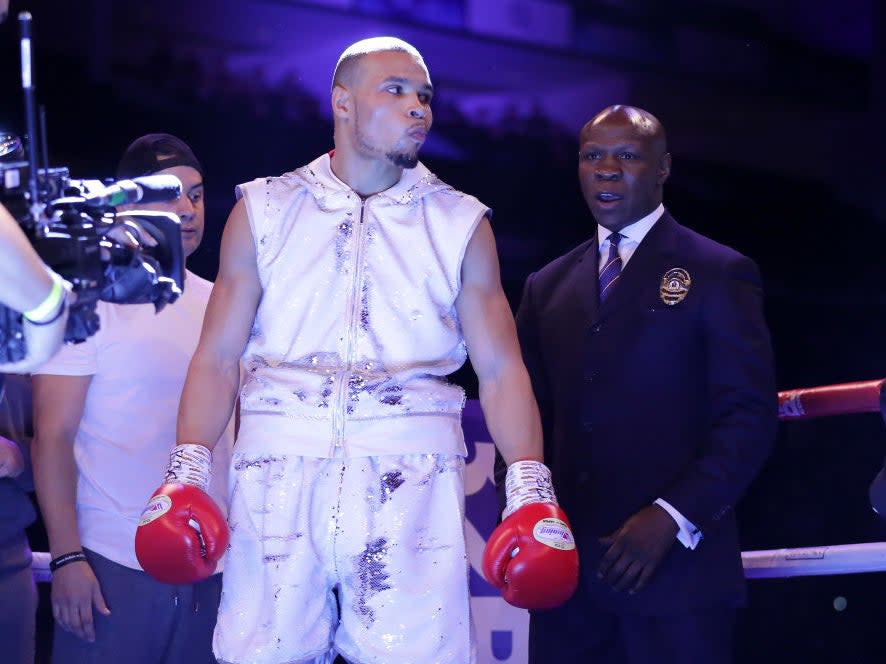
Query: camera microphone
145, 189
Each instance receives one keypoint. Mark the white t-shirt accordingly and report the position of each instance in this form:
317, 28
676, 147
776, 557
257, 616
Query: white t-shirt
138, 361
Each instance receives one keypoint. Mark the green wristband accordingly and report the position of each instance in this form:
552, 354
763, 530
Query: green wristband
50, 305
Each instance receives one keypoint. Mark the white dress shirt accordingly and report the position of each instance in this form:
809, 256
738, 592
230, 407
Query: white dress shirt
633, 234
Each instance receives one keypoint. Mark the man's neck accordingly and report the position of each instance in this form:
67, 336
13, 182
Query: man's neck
365, 176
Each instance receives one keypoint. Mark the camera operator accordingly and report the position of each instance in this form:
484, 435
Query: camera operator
31, 288
105, 414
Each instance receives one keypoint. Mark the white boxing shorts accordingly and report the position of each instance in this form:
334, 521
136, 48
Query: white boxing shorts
384, 534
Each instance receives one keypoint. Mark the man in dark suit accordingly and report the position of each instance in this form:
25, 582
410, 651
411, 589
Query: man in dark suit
652, 364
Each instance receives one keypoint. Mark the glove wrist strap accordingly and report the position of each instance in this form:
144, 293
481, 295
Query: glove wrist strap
527, 482
189, 464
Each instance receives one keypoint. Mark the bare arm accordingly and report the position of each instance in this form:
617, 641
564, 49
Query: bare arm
58, 407
488, 325
24, 281
210, 389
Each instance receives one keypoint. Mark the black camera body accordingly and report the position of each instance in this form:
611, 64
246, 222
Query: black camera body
131, 257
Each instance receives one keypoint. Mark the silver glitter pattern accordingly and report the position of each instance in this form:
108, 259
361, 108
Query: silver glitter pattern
357, 318
390, 482
387, 533
372, 578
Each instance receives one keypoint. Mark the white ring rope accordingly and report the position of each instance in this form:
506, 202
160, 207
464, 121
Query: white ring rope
815, 561
40, 567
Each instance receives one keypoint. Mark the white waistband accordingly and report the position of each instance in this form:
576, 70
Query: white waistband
262, 433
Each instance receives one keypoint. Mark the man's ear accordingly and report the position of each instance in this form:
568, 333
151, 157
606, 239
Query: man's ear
664, 168
341, 102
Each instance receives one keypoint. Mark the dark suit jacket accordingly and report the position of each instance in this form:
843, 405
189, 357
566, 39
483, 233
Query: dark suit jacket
643, 400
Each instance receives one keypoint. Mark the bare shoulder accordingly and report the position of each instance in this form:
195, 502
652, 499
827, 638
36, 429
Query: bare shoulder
480, 264
238, 245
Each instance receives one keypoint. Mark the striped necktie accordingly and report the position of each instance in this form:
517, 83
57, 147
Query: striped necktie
612, 269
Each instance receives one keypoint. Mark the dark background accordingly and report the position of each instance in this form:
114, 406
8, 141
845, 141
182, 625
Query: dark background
775, 120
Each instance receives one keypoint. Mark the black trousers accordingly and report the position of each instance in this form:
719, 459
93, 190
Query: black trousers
581, 632
150, 622
18, 602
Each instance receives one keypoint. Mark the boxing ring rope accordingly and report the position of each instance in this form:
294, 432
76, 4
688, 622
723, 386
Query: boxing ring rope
799, 404
805, 404
843, 399
40, 567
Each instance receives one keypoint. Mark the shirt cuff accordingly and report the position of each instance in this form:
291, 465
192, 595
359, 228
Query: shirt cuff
688, 535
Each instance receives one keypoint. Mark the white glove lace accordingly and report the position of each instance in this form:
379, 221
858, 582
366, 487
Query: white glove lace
189, 464
527, 482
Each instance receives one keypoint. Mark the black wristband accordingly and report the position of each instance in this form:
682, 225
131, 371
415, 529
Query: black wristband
66, 558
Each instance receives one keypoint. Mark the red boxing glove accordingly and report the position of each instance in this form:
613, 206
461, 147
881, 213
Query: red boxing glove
182, 533
531, 556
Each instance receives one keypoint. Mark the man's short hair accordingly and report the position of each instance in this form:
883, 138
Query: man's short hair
353, 53
155, 152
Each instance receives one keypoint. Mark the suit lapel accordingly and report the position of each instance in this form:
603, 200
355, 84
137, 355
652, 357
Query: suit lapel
644, 271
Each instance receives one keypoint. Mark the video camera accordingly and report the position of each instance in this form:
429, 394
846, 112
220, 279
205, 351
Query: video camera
132, 257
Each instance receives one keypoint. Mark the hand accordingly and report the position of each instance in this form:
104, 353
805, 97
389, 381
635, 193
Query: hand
42, 342
75, 590
131, 234
12, 463
637, 549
